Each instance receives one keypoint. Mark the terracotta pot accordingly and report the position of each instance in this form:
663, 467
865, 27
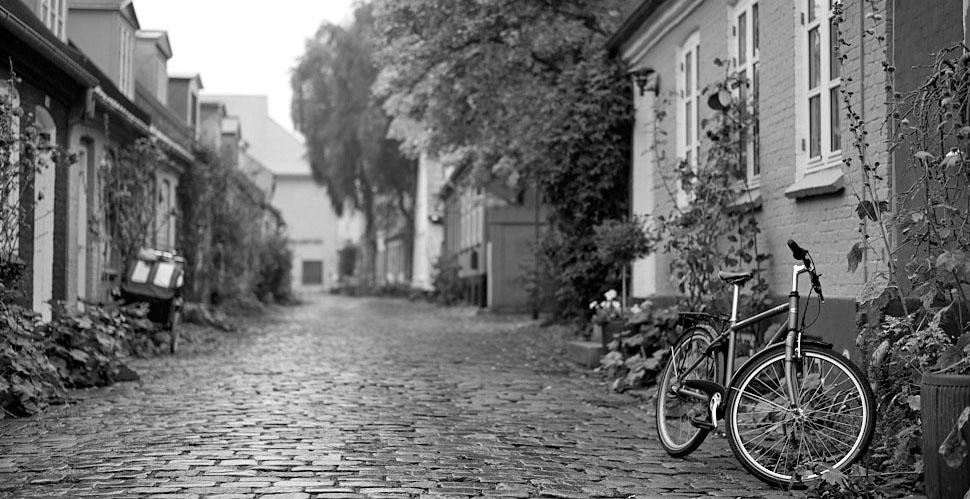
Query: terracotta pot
942, 399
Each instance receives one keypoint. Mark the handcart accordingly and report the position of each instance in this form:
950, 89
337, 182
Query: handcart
155, 278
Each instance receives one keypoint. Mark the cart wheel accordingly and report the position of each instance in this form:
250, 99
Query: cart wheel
175, 328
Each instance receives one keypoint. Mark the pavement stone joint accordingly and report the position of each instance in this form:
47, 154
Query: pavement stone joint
344, 398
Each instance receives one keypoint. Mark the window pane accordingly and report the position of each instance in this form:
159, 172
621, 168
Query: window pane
814, 9
755, 39
688, 75
742, 38
688, 125
835, 69
755, 125
743, 135
836, 132
815, 126
814, 57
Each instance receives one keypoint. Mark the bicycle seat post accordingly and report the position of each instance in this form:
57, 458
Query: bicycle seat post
732, 335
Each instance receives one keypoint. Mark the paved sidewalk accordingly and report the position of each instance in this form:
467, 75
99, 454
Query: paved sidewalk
361, 398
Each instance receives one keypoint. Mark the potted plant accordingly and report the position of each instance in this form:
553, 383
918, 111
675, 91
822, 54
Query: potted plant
945, 408
609, 318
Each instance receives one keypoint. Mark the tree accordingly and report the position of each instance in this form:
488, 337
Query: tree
347, 129
526, 92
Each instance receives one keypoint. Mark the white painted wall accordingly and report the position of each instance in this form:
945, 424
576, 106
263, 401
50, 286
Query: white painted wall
312, 226
428, 236
644, 274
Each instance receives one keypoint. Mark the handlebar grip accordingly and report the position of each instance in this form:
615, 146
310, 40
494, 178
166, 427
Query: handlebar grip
797, 252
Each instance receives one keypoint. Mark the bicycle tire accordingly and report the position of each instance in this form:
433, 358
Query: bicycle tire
832, 430
678, 436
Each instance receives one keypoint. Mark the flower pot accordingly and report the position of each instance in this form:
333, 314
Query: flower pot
607, 332
942, 399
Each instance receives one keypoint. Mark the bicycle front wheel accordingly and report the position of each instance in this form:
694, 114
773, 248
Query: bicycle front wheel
782, 445
675, 412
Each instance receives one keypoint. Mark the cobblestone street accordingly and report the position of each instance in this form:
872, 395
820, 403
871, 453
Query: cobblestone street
361, 398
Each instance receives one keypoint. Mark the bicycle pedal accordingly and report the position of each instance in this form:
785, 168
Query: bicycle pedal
702, 424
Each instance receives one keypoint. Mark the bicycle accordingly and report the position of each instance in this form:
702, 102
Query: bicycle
793, 410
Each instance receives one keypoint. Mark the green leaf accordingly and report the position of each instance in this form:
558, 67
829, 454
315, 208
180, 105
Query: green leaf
866, 209
79, 355
854, 256
913, 402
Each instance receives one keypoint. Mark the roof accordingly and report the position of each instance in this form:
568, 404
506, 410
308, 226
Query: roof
17, 18
187, 76
632, 23
159, 37
271, 144
125, 7
109, 89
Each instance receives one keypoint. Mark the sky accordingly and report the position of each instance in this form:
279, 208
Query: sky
241, 46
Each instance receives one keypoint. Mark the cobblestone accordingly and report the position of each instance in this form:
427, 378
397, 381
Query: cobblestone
345, 398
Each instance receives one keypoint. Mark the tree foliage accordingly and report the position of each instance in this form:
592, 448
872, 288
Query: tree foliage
346, 127
526, 93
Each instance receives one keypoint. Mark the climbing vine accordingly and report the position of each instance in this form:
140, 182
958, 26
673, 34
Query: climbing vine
129, 193
712, 225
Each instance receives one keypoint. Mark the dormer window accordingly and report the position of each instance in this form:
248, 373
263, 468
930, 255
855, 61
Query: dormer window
126, 80
53, 13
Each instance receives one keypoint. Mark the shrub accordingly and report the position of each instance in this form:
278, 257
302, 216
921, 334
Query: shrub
28, 379
273, 279
635, 359
447, 284
75, 349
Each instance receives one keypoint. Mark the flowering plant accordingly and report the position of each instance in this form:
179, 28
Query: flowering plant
611, 309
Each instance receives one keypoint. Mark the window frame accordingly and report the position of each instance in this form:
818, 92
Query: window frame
53, 13
688, 94
749, 64
825, 92
126, 45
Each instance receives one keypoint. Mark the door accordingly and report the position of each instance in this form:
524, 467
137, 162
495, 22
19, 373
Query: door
43, 265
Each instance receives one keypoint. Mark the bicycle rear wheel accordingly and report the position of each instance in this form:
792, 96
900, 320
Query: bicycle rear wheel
783, 446
675, 412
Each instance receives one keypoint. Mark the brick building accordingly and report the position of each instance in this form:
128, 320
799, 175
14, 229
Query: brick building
799, 188
54, 90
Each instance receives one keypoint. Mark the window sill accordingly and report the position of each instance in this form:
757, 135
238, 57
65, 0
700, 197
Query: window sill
748, 199
817, 183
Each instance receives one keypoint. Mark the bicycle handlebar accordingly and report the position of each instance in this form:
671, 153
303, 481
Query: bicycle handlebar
799, 253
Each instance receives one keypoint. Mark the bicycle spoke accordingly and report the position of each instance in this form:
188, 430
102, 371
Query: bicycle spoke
766, 401
822, 442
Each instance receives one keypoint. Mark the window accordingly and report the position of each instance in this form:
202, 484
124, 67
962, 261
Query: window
125, 72
821, 77
164, 215
688, 124
747, 56
312, 272
53, 13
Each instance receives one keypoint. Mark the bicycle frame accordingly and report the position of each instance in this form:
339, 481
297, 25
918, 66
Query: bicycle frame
729, 335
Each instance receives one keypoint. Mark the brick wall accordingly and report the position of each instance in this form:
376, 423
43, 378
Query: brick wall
825, 224
31, 96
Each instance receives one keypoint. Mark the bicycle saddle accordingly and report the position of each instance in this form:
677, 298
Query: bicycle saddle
738, 278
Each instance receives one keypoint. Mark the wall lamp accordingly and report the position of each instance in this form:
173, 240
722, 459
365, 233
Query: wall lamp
641, 77
720, 100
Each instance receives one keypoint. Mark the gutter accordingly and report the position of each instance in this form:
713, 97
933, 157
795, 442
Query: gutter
631, 25
45, 47
116, 106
